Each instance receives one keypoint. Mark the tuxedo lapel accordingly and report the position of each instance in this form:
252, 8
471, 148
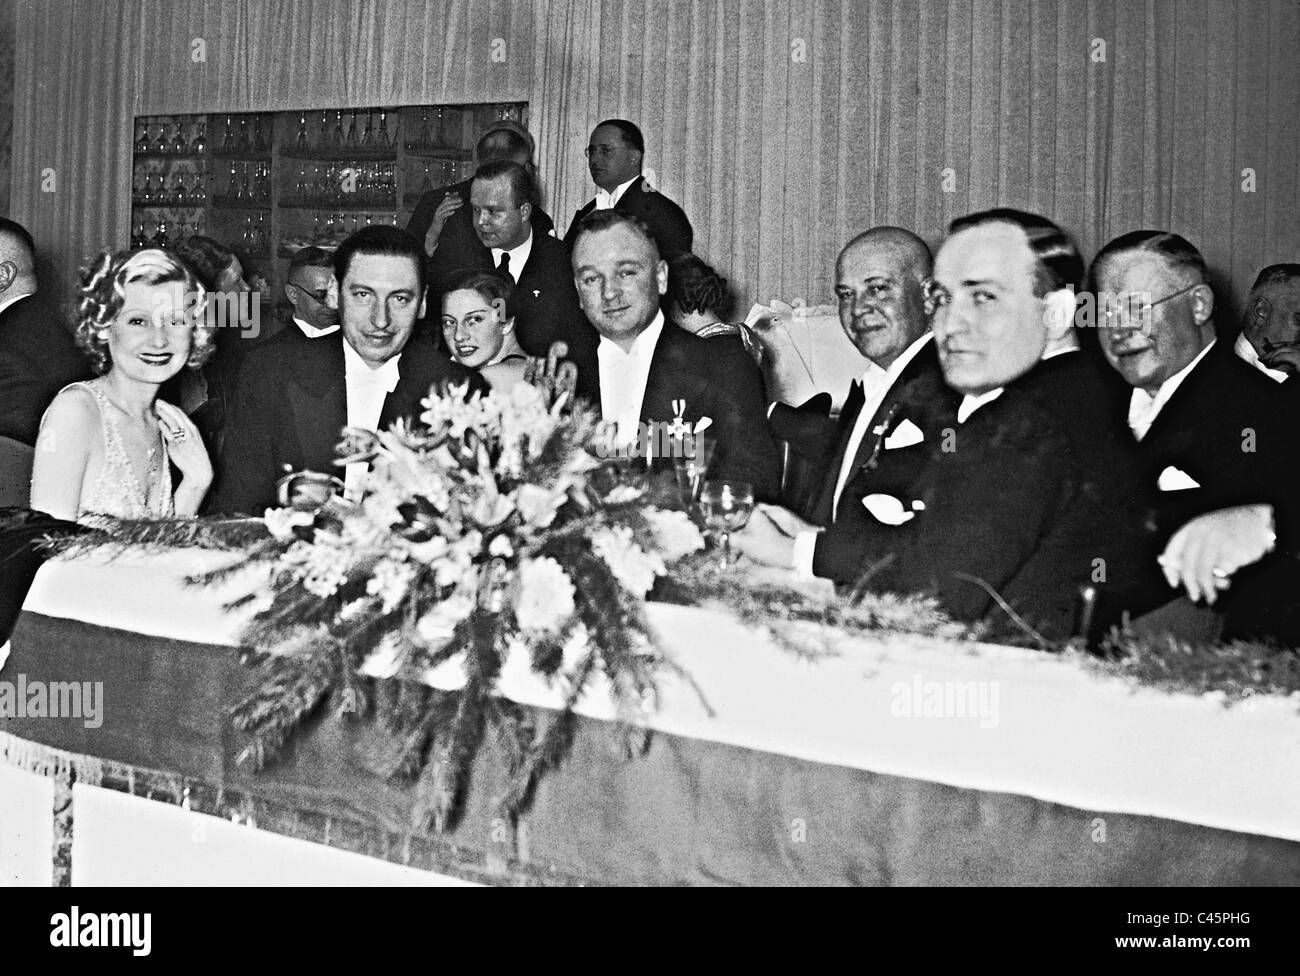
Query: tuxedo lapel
821, 513
318, 400
413, 382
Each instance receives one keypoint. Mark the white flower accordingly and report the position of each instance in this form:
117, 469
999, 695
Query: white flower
429, 552
436, 627
320, 565
390, 582
282, 521
632, 566
385, 660
675, 534
538, 505
500, 546
623, 494
543, 597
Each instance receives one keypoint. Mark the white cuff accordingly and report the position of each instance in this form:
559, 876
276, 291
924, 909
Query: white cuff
804, 545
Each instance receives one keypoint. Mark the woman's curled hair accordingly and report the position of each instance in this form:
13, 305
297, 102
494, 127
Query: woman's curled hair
102, 293
693, 286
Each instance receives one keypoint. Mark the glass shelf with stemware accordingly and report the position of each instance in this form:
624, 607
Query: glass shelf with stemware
271, 183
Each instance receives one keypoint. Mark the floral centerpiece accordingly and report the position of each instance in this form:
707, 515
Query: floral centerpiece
488, 528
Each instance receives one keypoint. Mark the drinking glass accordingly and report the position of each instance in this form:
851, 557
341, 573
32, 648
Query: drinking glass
691, 457
726, 507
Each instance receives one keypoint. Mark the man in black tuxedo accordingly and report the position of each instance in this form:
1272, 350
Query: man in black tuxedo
306, 288
614, 157
652, 372
443, 217
1031, 490
1270, 327
1213, 433
289, 410
502, 199
880, 276
38, 356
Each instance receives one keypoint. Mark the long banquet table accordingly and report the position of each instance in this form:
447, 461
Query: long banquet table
844, 769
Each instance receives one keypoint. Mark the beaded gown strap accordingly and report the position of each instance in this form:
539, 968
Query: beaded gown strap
116, 490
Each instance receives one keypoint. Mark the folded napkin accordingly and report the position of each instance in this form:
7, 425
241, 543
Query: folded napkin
1172, 479
889, 510
904, 435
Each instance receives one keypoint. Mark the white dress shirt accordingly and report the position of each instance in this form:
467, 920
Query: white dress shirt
605, 200
10, 299
367, 389
973, 401
312, 332
518, 257
876, 383
805, 543
1143, 408
1246, 352
623, 377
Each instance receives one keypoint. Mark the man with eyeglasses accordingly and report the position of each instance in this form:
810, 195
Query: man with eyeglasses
307, 288
1208, 427
1212, 432
614, 156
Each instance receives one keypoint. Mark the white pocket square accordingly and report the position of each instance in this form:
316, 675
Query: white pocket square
905, 435
888, 510
1172, 479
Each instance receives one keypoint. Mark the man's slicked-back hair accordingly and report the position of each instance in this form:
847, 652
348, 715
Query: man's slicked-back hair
1058, 261
206, 257
309, 257
1275, 274
381, 239
1177, 251
11, 228
501, 142
631, 134
522, 187
600, 220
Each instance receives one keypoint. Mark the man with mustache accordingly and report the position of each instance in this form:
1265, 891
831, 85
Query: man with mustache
614, 156
1031, 491
289, 410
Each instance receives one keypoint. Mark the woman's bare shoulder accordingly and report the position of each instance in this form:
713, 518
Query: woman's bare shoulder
73, 408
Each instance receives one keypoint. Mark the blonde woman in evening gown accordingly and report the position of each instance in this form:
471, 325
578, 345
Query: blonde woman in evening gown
108, 446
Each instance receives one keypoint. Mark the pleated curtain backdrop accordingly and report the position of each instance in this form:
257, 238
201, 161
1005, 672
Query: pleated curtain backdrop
782, 127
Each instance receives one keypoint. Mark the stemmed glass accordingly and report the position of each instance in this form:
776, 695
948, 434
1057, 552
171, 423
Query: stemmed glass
726, 506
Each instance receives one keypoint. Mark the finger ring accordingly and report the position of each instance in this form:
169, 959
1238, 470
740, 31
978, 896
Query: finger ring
179, 434
1219, 573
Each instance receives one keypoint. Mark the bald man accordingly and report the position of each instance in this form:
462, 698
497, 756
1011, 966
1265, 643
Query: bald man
38, 356
890, 416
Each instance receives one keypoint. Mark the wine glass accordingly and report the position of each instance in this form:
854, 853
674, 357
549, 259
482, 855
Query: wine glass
726, 506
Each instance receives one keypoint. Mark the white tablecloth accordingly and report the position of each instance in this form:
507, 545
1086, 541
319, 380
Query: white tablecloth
1050, 729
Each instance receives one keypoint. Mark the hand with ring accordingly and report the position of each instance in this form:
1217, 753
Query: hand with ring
1202, 555
186, 450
